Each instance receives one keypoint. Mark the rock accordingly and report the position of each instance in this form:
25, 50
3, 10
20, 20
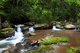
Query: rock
6, 24
40, 26
29, 23
32, 34
78, 26
6, 32
25, 29
5, 51
70, 26
11, 49
27, 43
59, 26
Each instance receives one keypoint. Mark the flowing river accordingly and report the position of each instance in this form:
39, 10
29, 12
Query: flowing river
73, 35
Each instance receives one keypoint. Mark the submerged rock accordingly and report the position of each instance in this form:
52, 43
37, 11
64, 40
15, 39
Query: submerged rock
32, 34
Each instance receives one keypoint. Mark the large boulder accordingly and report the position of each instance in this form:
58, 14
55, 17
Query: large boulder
6, 32
69, 26
40, 26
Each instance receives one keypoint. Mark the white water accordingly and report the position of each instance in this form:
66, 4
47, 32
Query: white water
31, 29
54, 28
14, 39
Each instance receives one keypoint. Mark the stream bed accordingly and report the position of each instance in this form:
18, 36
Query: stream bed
73, 35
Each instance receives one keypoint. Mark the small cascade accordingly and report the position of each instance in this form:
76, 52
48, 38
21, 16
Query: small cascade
14, 39
31, 29
54, 28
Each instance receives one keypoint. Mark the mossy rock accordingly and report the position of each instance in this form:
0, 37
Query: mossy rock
40, 26
6, 32
41, 49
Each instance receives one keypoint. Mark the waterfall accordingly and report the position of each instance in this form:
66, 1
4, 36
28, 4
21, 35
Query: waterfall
14, 39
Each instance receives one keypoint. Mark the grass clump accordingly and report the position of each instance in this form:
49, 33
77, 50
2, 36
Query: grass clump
41, 49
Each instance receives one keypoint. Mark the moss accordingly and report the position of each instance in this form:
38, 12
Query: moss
50, 40
55, 40
6, 32
64, 39
41, 49
71, 50
6, 29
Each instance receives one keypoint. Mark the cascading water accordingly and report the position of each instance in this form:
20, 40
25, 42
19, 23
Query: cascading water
31, 29
14, 39
54, 28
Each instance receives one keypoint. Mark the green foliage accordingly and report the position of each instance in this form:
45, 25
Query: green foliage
51, 40
46, 41
41, 11
55, 39
71, 50
41, 49
64, 39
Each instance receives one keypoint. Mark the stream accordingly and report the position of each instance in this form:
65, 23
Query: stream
12, 40
73, 35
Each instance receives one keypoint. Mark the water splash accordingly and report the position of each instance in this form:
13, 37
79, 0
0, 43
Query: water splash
54, 28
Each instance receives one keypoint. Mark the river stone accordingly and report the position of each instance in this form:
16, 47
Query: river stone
29, 23
25, 28
5, 51
40, 26
28, 43
69, 26
6, 32
32, 34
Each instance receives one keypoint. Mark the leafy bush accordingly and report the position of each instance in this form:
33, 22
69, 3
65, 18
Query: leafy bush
41, 49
